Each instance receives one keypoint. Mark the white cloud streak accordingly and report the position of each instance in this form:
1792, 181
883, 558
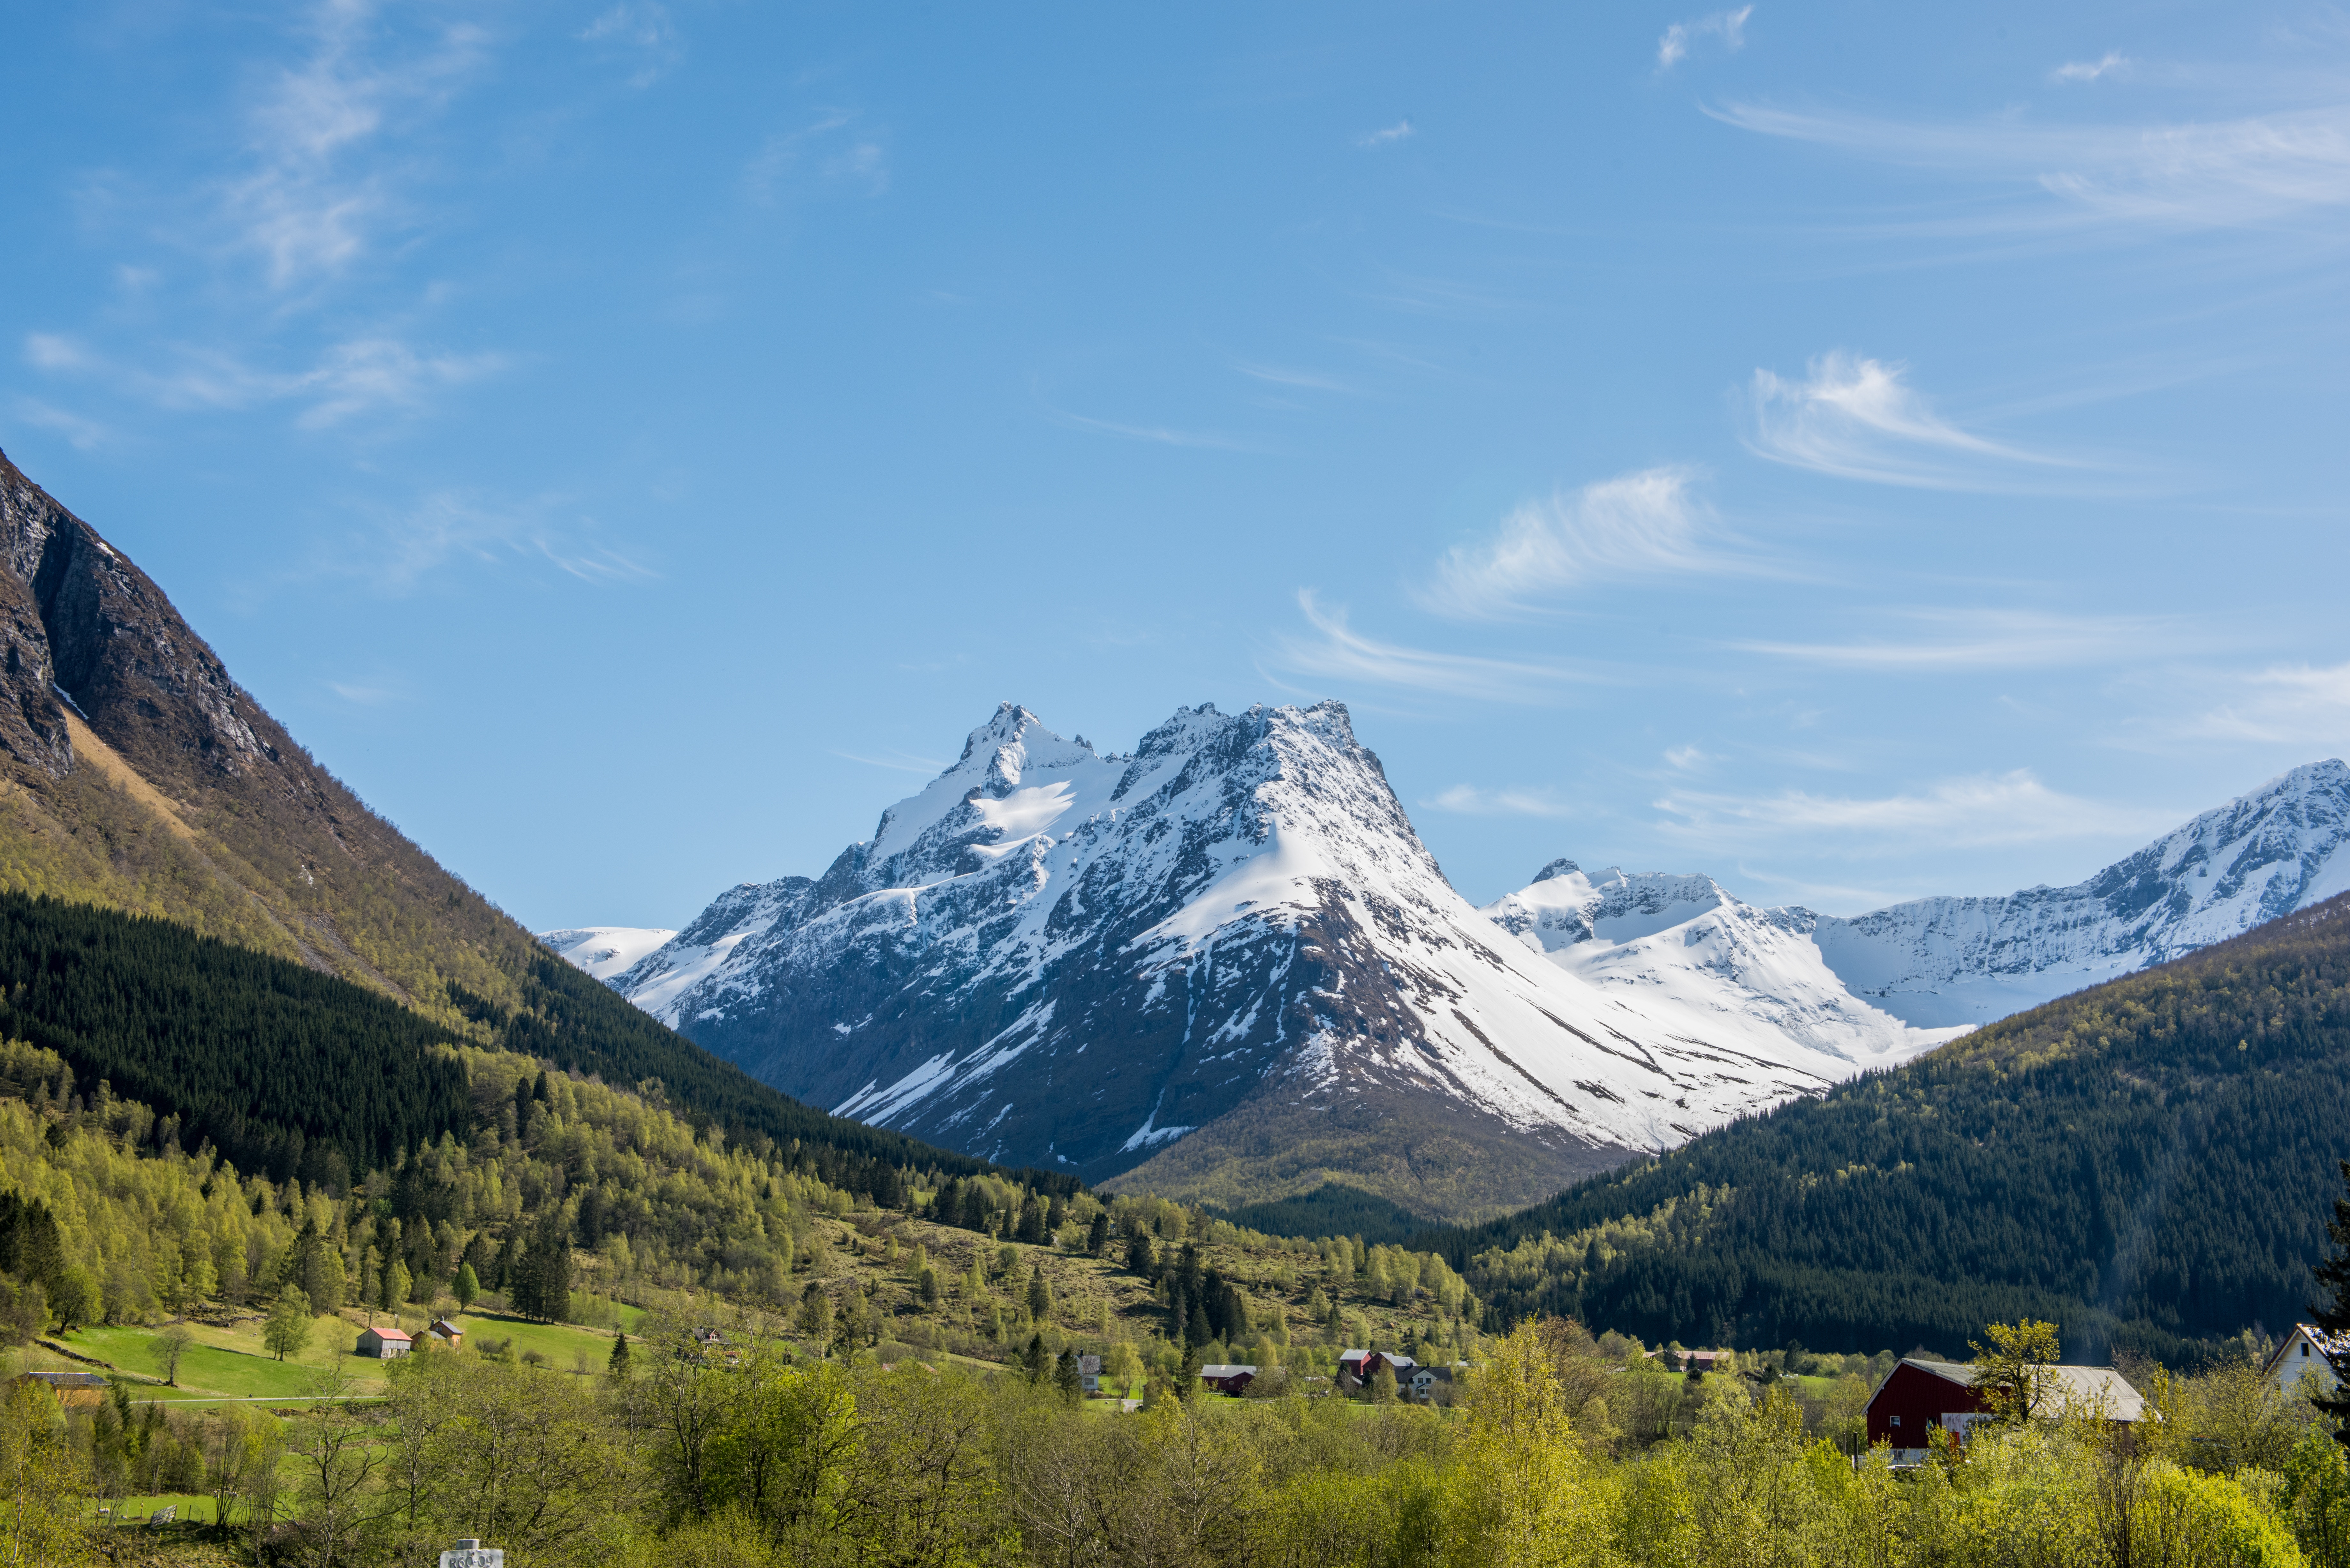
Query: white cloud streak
642, 33
1643, 523
1337, 651
1400, 130
2298, 704
1985, 809
1472, 800
1860, 419
1955, 639
2090, 70
830, 149
2247, 170
81, 434
316, 191
1729, 26
450, 526
357, 376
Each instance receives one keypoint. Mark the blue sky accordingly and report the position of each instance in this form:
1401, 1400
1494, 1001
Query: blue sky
1856, 451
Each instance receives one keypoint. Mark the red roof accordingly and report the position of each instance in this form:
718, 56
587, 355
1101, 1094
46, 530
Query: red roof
390, 1334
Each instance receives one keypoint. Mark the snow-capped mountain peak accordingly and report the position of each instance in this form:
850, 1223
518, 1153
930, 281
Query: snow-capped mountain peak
1053, 956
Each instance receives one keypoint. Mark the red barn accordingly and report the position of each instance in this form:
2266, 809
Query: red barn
1919, 1395
1225, 1378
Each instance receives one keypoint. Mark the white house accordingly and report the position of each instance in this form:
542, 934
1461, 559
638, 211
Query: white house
2307, 1352
1090, 1374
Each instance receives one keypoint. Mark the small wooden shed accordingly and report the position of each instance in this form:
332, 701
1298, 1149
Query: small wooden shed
384, 1344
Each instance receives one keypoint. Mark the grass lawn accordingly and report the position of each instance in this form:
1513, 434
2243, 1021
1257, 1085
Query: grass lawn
231, 1363
560, 1343
137, 1510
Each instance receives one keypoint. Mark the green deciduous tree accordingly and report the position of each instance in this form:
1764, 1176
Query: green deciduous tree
2013, 1377
287, 1331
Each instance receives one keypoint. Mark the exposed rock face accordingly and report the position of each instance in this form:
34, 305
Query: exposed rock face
192, 801
1230, 947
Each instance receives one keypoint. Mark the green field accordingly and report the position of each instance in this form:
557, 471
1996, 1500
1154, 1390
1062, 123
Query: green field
229, 1363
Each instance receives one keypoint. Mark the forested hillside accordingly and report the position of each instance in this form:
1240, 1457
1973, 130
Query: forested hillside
290, 1073
2148, 1163
137, 776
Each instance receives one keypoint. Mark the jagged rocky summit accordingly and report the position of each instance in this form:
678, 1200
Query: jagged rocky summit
1224, 966
1681, 947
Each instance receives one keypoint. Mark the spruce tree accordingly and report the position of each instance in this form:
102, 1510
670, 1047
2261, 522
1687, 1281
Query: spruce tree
2332, 1315
618, 1365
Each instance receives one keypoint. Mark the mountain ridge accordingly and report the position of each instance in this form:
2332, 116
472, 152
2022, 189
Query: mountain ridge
1222, 965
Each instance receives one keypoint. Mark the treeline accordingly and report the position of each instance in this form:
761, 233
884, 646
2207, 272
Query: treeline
284, 1070
295, 1074
750, 1455
2146, 1161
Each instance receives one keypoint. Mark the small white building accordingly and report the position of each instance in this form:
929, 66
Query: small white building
1089, 1374
2307, 1352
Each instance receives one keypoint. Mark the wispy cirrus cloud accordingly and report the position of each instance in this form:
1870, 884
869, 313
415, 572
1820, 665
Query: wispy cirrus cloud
835, 150
1336, 651
447, 526
1475, 800
2191, 174
81, 434
642, 33
896, 762
1644, 524
319, 185
357, 376
1983, 809
1858, 417
1385, 137
1965, 639
2300, 704
2114, 62
1729, 26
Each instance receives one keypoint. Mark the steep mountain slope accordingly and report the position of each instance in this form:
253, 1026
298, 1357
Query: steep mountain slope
2149, 1162
1682, 948
137, 776
1942, 962
1889, 983
1224, 967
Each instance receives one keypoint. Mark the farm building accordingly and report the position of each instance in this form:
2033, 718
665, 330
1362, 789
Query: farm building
1919, 1395
74, 1390
2307, 1352
446, 1334
384, 1344
1358, 1367
1228, 1379
1090, 1374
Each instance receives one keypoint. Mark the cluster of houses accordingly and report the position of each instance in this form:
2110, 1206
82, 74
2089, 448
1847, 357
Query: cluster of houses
1356, 1368
391, 1344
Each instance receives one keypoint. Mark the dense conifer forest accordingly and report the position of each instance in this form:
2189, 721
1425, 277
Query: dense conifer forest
2147, 1162
290, 1073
